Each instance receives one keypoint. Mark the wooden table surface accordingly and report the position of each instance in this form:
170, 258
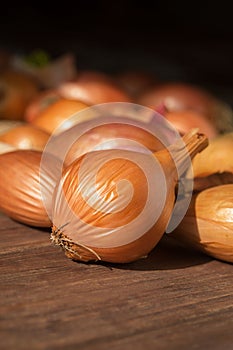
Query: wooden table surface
174, 299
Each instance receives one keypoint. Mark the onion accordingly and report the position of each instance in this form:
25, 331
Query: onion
26, 137
56, 113
183, 96
21, 182
208, 223
112, 135
135, 82
40, 103
6, 125
186, 120
216, 158
214, 166
16, 91
93, 90
114, 205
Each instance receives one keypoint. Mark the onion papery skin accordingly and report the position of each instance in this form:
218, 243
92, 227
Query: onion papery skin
56, 113
97, 217
21, 183
26, 137
208, 223
113, 136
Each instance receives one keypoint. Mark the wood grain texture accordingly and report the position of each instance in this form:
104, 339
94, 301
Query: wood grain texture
174, 299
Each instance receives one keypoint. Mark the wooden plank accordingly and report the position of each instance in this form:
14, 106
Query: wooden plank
174, 299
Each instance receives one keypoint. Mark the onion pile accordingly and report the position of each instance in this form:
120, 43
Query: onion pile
120, 186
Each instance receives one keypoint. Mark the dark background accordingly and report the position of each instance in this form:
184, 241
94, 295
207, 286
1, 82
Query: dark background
188, 41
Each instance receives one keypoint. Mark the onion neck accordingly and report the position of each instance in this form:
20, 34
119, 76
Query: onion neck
176, 159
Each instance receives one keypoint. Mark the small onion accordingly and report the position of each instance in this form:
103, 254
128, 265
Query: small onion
21, 184
26, 137
208, 223
114, 205
16, 91
56, 113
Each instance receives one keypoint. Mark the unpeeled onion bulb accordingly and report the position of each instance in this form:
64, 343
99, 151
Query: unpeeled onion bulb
208, 223
26, 189
115, 205
55, 114
16, 91
214, 166
26, 136
110, 136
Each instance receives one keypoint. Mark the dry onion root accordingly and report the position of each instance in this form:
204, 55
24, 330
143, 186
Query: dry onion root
103, 193
208, 223
21, 183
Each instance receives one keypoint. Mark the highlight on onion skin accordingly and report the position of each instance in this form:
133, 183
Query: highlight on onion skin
21, 182
115, 205
208, 223
26, 136
5, 147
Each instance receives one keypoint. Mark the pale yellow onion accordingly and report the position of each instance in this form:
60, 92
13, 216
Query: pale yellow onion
115, 205
208, 223
25, 189
216, 158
